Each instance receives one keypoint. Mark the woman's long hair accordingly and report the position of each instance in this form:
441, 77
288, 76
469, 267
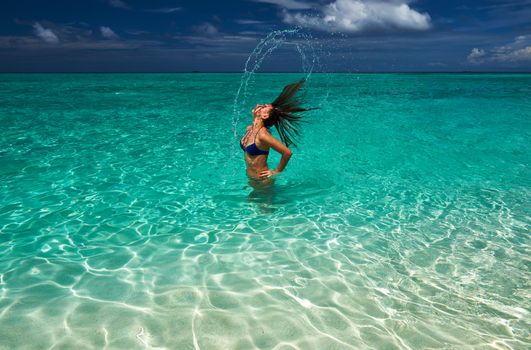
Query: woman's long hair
283, 117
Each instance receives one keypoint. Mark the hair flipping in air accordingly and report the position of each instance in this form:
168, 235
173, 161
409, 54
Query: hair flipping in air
283, 117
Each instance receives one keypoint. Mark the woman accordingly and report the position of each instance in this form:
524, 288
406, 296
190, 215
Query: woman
257, 140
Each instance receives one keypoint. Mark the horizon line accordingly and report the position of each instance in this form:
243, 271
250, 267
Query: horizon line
270, 72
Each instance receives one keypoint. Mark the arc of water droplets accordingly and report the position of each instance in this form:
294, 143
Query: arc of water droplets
264, 48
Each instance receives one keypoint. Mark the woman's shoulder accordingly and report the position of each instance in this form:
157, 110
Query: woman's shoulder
265, 130
264, 134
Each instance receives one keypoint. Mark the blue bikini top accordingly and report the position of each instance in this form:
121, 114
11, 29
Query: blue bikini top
253, 149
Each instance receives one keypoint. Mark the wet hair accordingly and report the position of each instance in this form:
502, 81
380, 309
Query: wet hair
282, 115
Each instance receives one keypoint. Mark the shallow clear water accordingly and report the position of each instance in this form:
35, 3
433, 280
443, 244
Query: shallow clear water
401, 222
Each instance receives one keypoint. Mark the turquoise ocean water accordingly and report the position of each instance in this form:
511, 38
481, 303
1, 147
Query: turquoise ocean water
401, 222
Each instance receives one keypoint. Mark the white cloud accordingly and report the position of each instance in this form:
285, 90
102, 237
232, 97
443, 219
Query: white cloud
206, 28
108, 33
119, 4
517, 55
362, 15
248, 21
289, 4
517, 51
46, 35
476, 55
165, 10
71, 36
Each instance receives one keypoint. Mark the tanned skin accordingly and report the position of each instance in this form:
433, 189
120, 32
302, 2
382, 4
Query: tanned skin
257, 168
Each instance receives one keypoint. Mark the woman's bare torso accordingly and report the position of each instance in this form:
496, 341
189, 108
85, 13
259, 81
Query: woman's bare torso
258, 163
255, 164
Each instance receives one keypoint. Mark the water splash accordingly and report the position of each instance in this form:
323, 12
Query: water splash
274, 40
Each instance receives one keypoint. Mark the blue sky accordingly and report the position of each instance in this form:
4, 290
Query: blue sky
183, 35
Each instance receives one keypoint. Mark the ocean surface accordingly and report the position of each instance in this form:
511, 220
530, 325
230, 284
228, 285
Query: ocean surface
402, 221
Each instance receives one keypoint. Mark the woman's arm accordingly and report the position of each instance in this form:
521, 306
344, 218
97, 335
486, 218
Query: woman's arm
267, 139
